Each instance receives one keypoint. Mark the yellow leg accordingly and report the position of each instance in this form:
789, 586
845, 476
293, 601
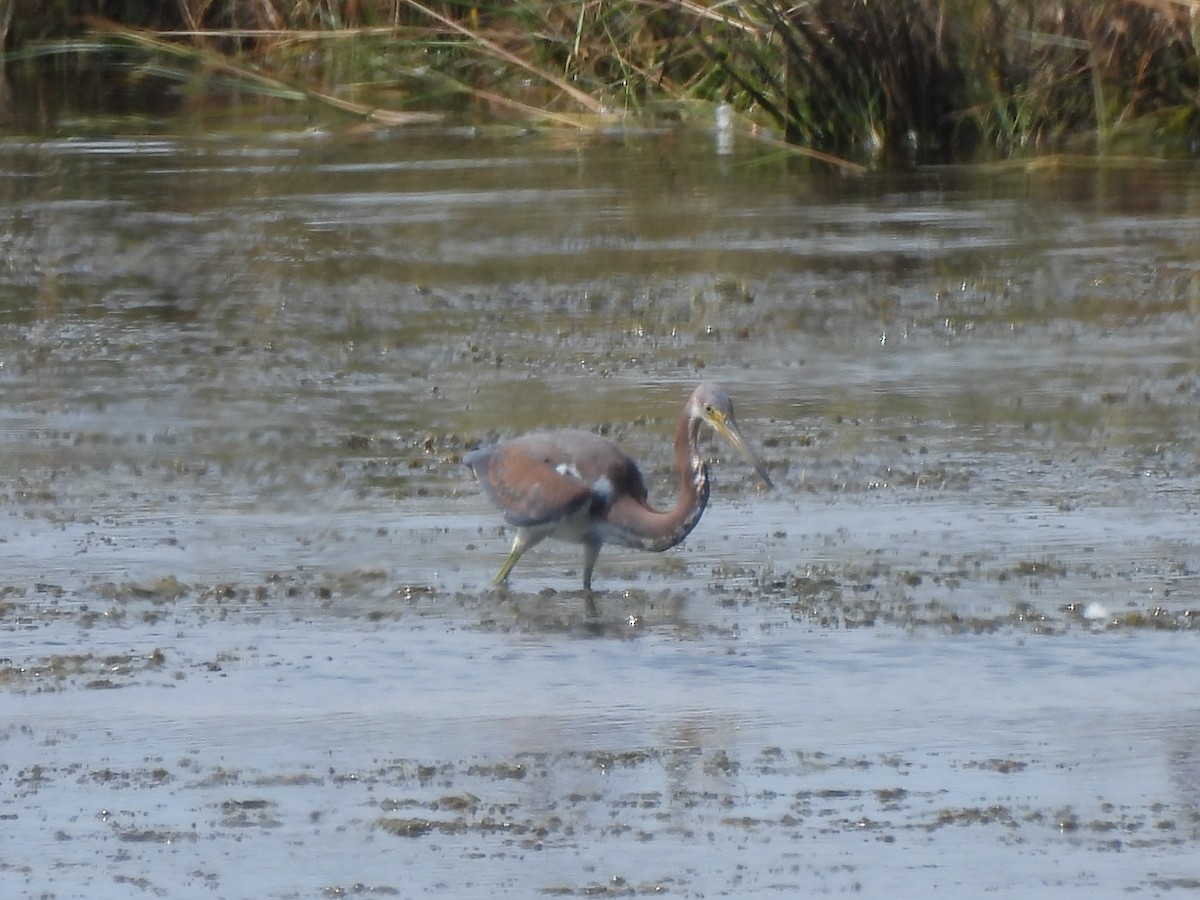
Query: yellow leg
523, 542
501, 578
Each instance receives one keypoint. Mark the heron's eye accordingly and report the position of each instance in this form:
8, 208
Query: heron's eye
708, 408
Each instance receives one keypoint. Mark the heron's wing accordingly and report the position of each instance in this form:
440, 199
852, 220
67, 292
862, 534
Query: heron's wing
532, 484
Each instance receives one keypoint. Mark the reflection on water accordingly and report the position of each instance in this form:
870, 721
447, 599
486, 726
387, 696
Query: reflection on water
246, 606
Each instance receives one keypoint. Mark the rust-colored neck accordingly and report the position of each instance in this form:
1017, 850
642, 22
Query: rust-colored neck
653, 529
693, 480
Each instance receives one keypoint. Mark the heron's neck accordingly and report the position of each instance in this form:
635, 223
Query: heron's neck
677, 523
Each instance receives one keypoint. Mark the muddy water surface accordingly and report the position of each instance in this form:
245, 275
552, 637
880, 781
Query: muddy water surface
248, 641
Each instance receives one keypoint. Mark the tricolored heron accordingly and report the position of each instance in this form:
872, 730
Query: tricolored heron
582, 488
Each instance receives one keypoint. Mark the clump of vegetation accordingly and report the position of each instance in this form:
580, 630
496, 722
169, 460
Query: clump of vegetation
949, 78
908, 79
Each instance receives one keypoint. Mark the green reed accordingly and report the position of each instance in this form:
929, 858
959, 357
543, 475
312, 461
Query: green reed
902, 80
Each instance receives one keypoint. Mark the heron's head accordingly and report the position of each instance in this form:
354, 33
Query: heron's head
709, 403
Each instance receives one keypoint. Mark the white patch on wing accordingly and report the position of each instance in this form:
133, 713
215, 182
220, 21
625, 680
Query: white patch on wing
569, 470
603, 488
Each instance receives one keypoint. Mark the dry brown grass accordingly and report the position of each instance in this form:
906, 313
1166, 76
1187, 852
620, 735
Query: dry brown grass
897, 80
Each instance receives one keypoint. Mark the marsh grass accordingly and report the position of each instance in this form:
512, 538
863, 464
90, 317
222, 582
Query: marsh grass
904, 80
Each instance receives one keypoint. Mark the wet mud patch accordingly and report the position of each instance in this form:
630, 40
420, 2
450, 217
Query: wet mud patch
248, 642
626, 822
713, 713
80, 670
956, 600
141, 632
725, 788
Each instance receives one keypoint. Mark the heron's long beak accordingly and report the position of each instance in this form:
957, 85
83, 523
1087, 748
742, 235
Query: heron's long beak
727, 427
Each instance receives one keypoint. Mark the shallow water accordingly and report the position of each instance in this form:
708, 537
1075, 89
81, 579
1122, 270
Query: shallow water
249, 644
